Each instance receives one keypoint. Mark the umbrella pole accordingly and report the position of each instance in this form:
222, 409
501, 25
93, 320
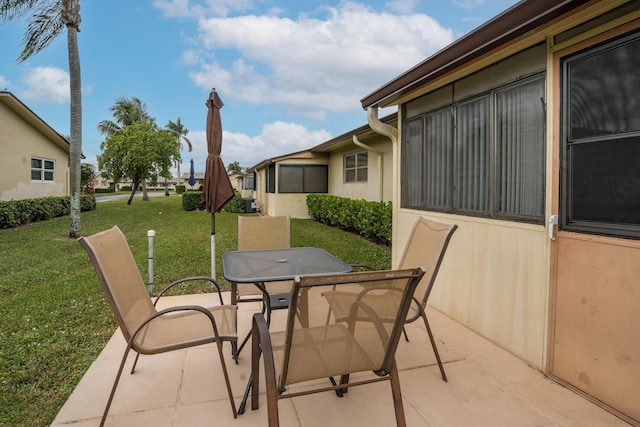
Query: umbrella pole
213, 245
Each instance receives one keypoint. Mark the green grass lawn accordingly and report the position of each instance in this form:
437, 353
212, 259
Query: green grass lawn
54, 319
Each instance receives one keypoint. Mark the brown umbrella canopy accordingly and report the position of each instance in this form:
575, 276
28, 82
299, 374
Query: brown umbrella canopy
217, 189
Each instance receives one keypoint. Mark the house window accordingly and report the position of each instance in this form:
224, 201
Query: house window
43, 170
247, 183
356, 167
270, 181
303, 179
483, 156
601, 139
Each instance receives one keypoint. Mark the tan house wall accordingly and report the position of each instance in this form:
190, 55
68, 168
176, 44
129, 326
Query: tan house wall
19, 142
496, 276
376, 188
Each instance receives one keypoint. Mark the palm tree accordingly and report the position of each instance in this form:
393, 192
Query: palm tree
126, 112
47, 20
180, 132
234, 167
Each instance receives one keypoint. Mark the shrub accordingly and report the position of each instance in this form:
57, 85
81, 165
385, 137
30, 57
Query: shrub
180, 189
19, 212
103, 190
372, 220
125, 188
192, 200
235, 205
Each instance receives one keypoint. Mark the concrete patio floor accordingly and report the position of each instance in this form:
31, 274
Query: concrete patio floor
487, 387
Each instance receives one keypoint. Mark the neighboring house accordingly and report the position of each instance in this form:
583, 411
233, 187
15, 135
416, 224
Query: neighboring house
282, 183
35, 158
531, 120
242, 183
359, 168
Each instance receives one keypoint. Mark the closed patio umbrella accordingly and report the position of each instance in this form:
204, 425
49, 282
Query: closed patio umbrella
217, 189
192, 175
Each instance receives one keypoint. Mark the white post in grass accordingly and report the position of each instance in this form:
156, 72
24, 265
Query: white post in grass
150, 235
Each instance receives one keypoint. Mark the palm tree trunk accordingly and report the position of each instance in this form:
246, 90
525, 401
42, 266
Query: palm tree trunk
75, 140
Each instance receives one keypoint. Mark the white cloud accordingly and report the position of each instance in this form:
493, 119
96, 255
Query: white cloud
4, 83
402, 6
275, 139
468, 4
46, 84
316, 65
184, 9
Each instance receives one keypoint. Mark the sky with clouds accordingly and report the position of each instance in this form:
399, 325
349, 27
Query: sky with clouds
291, 73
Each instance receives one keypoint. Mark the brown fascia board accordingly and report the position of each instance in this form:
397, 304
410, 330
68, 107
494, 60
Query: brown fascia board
267, 162
516, 21
393, 117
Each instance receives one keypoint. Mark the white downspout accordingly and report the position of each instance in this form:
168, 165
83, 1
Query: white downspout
357, 142
381, 128
391, 133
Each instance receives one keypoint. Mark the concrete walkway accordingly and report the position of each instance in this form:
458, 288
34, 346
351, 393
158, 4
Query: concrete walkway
487, 387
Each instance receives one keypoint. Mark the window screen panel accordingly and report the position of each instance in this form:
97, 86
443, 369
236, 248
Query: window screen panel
604, 85
520, 133
413, 164
316, 179
605, 181
474, 155
438, 160
290, 179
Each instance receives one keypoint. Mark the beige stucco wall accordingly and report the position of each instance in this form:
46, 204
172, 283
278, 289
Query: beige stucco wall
19, 141
496, 275
493, 280
370, 190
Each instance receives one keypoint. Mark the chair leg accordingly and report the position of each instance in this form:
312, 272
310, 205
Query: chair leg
226, 378
397, 397
404, 332
135, 362
115, 385
433, 344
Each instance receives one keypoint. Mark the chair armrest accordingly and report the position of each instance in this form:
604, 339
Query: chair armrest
191, 279
171, 310
261, 344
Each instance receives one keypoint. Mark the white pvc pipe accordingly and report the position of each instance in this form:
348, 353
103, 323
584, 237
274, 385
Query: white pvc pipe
150, 235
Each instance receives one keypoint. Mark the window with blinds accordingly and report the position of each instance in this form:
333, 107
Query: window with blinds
483, 156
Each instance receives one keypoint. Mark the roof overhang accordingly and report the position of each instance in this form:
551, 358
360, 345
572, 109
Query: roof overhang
515, 22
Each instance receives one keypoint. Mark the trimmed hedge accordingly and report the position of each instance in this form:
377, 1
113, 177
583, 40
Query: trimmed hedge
180, 189
235, 205
372, 220
192, 200
15, 213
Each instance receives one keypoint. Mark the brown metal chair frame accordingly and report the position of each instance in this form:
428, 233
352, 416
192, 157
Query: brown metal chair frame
437, 235
386, 281
256, 233
135, 335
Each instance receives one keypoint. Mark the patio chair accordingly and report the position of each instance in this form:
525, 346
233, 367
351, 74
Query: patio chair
426, 247
311, 349
261, 232
147, 330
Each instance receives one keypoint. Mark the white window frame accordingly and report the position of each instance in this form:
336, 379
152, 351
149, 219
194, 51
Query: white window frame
43, 170
357, 167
